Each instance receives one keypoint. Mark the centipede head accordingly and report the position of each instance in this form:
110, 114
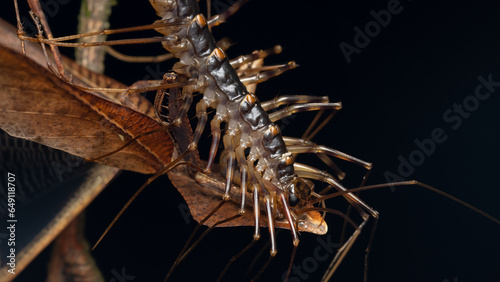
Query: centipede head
291, 194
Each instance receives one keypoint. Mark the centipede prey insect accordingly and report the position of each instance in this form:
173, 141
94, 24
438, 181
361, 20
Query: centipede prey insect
408, 257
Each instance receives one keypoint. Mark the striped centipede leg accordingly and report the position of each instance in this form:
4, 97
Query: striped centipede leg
302, 104
302, 99
297, 146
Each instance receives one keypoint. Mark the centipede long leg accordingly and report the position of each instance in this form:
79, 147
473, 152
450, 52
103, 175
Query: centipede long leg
224, 44
245, 59
299, 146
59, 41
316, 174
292, 99
266, 75
363, 209
302, 143
297, 108
237, 154
342, 252
221, 18
302, 99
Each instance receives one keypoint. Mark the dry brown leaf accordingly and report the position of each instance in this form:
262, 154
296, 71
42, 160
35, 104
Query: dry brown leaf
52, 112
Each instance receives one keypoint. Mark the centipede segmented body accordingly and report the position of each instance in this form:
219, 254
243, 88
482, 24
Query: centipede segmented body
271, 172
268, 170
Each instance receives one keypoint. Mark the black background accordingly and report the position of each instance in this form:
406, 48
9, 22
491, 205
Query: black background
395, 91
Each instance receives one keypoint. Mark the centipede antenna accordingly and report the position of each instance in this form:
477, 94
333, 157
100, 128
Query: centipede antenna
409, 183
59, 41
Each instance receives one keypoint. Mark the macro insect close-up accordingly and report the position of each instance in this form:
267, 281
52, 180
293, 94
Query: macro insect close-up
418, 86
